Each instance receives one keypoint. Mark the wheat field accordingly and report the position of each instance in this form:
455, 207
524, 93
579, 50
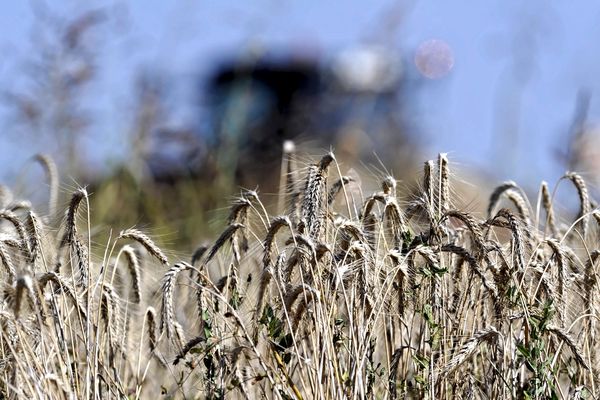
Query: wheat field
345, 294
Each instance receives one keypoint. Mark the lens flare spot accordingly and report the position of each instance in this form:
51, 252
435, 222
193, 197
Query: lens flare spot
434, 59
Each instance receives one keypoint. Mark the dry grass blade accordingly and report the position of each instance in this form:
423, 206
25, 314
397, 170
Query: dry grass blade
590, 277
393, 372
292, 192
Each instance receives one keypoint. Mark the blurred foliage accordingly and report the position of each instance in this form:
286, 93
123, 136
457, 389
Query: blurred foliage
177, 178
50, 105
119, 200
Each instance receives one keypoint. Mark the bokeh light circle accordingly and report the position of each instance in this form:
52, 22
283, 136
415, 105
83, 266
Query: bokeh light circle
434, 59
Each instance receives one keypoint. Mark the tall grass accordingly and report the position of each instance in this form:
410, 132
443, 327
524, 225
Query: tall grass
340, 296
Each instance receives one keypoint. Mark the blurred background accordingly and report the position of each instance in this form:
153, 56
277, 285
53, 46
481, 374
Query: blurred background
166, 109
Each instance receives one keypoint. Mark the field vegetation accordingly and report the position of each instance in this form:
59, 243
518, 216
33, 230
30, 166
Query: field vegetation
343, 293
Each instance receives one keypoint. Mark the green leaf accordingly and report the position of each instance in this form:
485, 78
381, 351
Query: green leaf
422, 361
421, 380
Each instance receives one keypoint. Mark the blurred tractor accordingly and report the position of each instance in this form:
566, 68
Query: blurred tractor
351, 103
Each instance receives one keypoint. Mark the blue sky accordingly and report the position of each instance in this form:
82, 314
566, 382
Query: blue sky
505, 107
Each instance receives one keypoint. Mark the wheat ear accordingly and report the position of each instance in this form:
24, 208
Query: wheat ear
444, 184
7, 262
35, 237
489, 335
145, 241
71, 225
19, 227
52, 175
168, 287
584, 199
133, 265
497, 193
151, 324
312, 204
547, 204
